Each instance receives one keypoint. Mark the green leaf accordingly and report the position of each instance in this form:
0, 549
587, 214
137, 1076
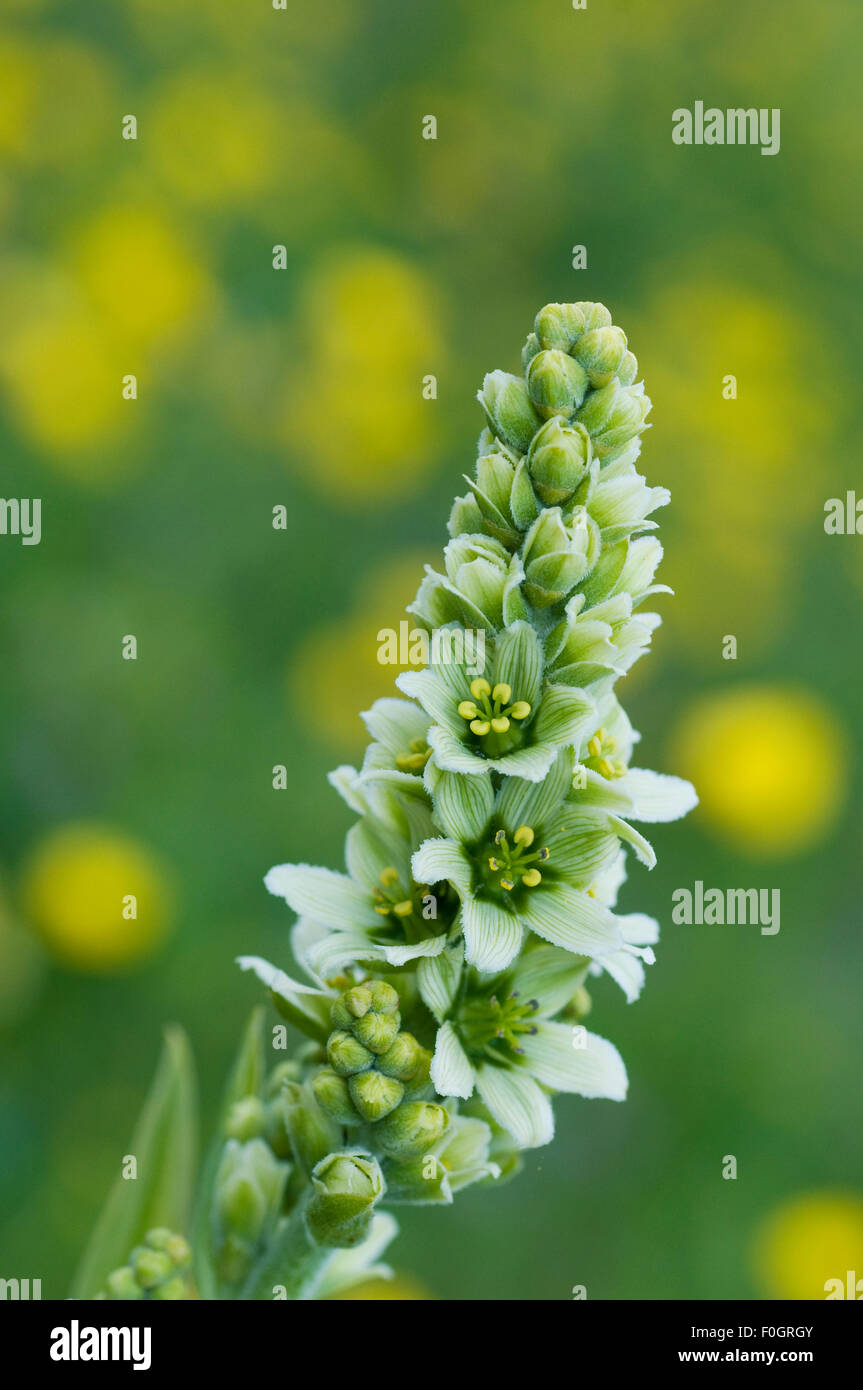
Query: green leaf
165, 1146
246, 1078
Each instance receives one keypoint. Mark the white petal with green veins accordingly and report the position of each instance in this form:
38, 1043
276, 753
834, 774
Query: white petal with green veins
330, 898
451, 1071
568, 918
517, 1103
492, 935
571, 1059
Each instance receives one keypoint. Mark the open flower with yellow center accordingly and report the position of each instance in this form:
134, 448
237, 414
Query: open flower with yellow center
507, 718
501, 1040
377, 911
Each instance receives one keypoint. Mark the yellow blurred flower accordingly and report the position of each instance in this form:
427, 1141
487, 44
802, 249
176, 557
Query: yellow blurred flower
355, 417
336, 672
214, 138
41, 82
745, 472
144, 278
401, 1288
808, 1241
76, 889
769, 764
63, 372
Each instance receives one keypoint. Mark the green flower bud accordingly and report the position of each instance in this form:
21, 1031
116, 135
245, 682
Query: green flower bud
556, 382
465, 516
346, 1055
614, 415
385, 999
402, 1057
376, 1031
600, 352
333, 1095
559, 326
345, 1189
311, 1129
176, 1247
358, 1000
285, 1071
248, 1187
559, 554
246, 1119
374, 1094
172, 1291
151, 1267
531, 348
419, 1087
595, 314
628, 369
558, 460
122, 1285
509, 410
412, 1128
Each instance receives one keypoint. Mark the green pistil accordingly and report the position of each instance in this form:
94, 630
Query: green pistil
487, 1022
601, 750
491, 712
415, 759
517, 861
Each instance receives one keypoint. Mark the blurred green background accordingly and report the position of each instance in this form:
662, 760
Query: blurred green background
256, 646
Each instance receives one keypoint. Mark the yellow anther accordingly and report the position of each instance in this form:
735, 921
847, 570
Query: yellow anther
500, 724
594, 747
479, 687
403, 909
468, 710
389, 876
494, 864
384, 911
524, 836
500, 837
507, 883
520, 710
479, 726
605, 768
531, 878
502, 692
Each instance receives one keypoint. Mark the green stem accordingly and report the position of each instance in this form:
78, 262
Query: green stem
292, 1261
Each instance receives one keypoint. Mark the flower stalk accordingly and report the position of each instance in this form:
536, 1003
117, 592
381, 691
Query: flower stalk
446, 969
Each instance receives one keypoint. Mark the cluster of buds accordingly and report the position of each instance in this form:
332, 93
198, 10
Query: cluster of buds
157, 1268
378, 1074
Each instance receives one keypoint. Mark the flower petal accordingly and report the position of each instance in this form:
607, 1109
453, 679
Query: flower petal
571, 1059
549, 975
330, 898
438, 860
521, 802
463, 804
451, 1071
492, 935
395, 723
517, 1103
518, 661
565, 715
568, 918
453, 755
438, 978
531, 763
656, 796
